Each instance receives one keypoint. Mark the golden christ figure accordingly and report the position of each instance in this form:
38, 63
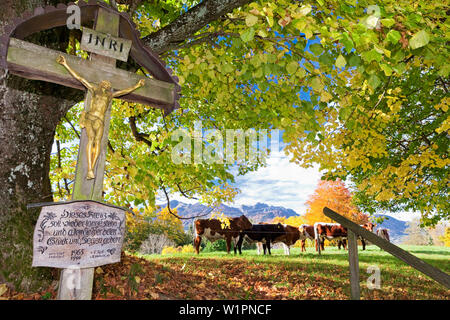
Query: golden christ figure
93, 119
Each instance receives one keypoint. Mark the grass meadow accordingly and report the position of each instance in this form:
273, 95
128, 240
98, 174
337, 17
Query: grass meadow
218, 275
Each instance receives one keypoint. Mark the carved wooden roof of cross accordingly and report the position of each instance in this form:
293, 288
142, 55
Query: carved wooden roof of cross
50, 17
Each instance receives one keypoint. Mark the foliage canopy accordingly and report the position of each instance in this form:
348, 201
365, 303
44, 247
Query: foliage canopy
360, 87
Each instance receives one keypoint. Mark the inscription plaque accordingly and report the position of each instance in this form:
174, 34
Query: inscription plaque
82, 234
105, 44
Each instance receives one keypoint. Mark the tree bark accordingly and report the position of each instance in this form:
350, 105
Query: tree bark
29, 114
190, 22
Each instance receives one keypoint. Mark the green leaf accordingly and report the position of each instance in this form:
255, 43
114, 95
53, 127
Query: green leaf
268, 69
398, 55
444, 71
316, 84
301, 73
299, 24
251, 20
371, 55
400, 68
291, 67
271, 58
340, 61
248, 35
258, 73
256, 60
386, 68
387, 22
326, 59
419, 40
344, 113
374, 81
316, 48
227, 68
354, 61
347, 42
393, 36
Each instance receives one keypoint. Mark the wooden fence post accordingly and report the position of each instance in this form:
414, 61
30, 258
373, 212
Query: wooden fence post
354, 265
427, 269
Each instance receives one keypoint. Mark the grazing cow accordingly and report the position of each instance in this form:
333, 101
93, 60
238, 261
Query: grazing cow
212, 230
342, 243
259, 248
384, 234
292, 234
265, 233
306, 232
328, 231
288, 239
369, 227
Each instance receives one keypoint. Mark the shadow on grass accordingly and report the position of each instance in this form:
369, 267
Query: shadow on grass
431, 252
373, 255
247, 279
310, 276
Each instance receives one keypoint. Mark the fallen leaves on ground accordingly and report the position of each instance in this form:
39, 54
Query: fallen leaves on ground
198, 278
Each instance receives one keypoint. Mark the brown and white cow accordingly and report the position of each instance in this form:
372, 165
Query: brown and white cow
369, 227
211, 229
290, 236
328, 231
384, 234
264, 233
306, 232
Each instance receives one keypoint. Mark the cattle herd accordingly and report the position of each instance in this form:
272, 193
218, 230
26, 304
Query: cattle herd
265, 234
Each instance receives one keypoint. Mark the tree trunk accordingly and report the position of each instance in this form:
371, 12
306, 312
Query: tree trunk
29, 114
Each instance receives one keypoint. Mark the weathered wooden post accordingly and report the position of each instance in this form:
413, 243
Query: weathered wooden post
84, 188
354, 265
100, 76
355, 230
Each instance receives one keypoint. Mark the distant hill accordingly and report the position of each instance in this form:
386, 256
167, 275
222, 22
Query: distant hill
396, 227
262, 212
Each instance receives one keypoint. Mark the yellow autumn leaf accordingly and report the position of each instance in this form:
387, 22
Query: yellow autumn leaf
3, 289
325, 96
251, 20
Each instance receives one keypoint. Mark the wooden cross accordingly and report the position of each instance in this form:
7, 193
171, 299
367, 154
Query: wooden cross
36, 62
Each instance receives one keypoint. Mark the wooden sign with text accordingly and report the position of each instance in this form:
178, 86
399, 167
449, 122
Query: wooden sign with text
105, 44
82, 234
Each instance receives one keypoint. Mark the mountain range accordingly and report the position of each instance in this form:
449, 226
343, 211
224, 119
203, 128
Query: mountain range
262, 212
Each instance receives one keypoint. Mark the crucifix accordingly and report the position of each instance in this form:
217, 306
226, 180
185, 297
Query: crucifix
103, 82
93, 119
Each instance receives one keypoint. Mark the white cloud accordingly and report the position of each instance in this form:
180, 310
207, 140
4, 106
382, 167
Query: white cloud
280, 183
403, 215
